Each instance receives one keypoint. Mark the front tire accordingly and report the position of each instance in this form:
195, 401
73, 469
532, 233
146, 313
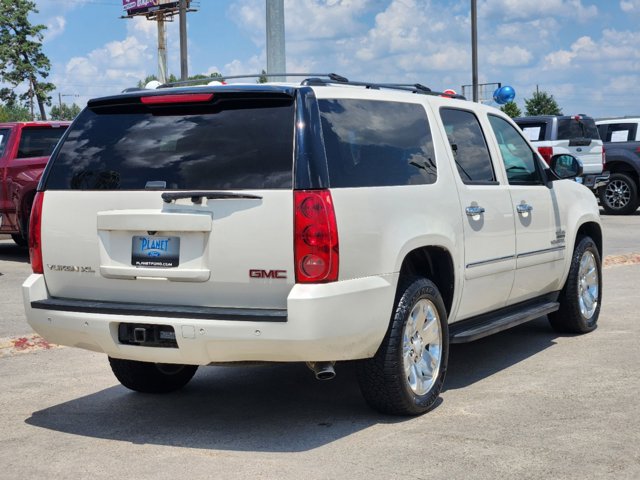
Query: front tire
620, 195
407, 373
581, 296
148, 377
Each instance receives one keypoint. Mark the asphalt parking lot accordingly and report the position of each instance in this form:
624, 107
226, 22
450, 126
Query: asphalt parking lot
525, 403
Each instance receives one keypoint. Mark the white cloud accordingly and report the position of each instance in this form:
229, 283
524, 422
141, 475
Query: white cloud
615, 51
525, 10
55, 28
114, 66
629, 6
510, 56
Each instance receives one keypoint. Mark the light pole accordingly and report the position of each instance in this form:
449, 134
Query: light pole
276, 62
474, 49
184, 69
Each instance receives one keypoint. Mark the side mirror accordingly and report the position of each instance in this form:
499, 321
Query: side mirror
565, 166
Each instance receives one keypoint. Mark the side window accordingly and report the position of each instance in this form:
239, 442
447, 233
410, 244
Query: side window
621, 132
468, 146
520, 162
4, 137
372, 143
535, 132
38, 142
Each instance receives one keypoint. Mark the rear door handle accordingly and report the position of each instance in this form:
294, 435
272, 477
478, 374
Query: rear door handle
524, 208
474, 210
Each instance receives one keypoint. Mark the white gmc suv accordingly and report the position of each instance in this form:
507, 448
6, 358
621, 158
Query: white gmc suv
314, 222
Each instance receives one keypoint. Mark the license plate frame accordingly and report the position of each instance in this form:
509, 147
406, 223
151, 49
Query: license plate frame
151, 251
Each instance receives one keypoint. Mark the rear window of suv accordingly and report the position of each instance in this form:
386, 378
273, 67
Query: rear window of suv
238, 144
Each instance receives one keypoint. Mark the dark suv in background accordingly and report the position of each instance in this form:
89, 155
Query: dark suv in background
621, 137
576, 135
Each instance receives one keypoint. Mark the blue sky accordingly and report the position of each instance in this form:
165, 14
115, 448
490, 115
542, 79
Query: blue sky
584, 52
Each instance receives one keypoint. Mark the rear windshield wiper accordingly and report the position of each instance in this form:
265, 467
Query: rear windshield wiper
196, 197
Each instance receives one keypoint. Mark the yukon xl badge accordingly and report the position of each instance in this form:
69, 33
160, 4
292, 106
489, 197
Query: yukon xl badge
70, 268
279, 274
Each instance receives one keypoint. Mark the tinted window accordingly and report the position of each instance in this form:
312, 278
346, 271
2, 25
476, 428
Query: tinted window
38, 142
240, 145
569, 128
4, 137
619, 132
372, 143
519, 160
468, 145
535, 132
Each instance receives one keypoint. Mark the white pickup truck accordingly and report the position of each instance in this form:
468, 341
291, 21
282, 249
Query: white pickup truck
315, 222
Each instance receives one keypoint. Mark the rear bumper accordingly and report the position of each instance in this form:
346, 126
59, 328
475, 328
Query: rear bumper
344, 320
594, 182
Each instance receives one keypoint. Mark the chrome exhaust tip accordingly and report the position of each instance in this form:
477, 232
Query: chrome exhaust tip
322, 370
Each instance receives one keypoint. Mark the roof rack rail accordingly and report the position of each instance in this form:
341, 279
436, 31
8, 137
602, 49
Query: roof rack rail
409, 87
317, 79
332, 76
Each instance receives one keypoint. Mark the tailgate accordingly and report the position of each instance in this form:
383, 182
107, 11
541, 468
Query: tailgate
590, 154
222, 236
223, 252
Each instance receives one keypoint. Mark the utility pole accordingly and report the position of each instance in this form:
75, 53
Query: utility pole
184, 68
474, 48
60, 95
276, 59
162, 48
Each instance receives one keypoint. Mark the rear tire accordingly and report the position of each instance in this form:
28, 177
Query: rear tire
581, 296
152, 377
407, 373
620, 195
19, 240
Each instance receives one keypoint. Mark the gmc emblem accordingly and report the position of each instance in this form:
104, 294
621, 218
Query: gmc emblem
279, 274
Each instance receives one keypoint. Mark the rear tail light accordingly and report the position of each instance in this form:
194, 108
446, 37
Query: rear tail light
35, 234
177, 98
547, 153
315, 237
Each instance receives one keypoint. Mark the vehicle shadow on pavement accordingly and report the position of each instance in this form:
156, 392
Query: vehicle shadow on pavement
275, 408
474, 361
10, 252
269, 408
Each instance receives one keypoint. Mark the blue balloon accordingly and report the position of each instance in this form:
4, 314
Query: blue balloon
504, 95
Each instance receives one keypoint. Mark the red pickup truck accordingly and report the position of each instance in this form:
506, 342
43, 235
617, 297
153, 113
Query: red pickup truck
25, 148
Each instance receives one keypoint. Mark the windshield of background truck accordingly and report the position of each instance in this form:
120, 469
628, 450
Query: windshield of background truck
240, 144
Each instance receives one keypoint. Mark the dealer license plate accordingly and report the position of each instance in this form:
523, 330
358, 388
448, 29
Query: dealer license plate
152, 251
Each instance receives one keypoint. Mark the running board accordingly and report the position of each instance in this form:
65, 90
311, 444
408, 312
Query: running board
494, 322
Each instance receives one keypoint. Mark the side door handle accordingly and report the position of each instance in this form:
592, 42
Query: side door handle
524, 208
474, 210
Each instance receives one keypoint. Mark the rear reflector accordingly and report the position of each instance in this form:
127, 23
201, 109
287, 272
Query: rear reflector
315, 237
35, 234
179, 98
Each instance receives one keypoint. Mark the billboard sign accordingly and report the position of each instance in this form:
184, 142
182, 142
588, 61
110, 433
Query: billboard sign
132, 6
142, 6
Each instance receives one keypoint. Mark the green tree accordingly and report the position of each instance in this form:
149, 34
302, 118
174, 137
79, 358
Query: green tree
263, 77
64, 112
14, 113
172, 78
511, 109
21, 57
542, 103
